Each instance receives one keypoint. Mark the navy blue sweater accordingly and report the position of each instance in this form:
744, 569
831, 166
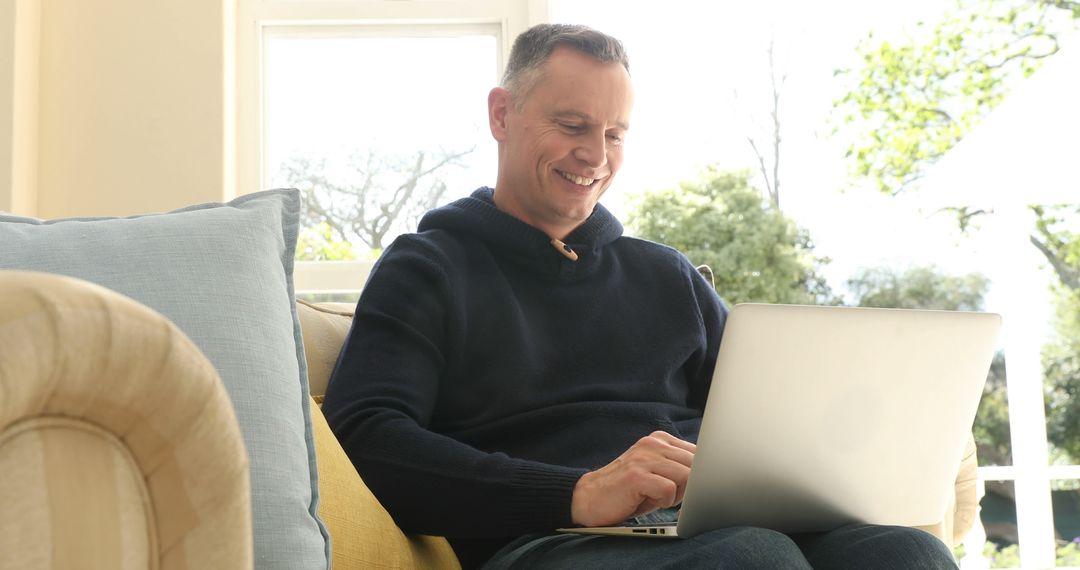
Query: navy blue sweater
485, 372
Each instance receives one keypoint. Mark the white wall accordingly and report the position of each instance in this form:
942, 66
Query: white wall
114, 107
132, 106
117, 107
19, 32
7, 94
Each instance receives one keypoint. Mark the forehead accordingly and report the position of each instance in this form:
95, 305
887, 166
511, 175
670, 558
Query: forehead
573, 83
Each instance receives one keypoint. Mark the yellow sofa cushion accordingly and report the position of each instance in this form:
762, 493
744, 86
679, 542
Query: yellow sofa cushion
324, 327
362, 533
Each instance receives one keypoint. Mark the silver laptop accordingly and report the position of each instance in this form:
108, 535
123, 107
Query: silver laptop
822, 416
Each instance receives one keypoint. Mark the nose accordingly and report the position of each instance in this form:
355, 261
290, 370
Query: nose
592, 150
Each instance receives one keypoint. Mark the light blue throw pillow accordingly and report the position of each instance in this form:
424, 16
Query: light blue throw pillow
223, 274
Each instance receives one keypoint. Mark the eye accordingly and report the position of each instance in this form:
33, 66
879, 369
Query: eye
572, 127
615, 138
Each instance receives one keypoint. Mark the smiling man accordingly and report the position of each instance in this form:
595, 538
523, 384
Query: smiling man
560, 130
518, 365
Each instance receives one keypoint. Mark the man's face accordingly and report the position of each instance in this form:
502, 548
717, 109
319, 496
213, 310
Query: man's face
560, 148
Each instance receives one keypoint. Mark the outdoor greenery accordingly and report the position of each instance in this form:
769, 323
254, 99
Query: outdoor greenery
1061, 357
376, 195
910, 101
906, 104
1009, 556
991, 429
317, 243
1061, 362
931, 288
917, 288
720, 220
758, 254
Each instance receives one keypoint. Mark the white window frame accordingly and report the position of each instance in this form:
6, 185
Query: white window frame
1030, 471
257, 20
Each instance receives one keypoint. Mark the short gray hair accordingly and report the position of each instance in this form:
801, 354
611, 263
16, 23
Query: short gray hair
534, 46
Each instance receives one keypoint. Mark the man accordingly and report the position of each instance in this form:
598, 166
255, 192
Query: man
518, 365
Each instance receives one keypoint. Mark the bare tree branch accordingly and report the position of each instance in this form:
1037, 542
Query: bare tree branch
774, 193
1069, 275
771, 176
378, 195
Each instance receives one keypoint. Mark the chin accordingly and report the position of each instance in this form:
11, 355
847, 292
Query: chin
579, 215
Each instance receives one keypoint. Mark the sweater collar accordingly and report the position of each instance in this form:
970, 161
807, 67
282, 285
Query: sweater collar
477, 216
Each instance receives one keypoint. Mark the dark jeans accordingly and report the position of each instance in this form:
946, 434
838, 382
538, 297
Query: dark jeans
862, 547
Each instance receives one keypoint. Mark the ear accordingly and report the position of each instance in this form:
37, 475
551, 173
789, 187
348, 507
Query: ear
498, 109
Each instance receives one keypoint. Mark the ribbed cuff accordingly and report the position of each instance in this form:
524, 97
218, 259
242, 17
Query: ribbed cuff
540, 496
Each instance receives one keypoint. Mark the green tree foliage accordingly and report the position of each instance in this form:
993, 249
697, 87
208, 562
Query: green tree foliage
317, 243
910, 101
1061, 362
991, 429
1061, 357
1059, 241
918, 288
930, 288
1009, 556
755, 252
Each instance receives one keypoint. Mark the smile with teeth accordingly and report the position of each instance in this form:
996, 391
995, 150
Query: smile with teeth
579, 180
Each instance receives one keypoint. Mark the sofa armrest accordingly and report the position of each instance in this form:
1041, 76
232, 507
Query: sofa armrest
963, 505
324, 327
967, 499
118, 444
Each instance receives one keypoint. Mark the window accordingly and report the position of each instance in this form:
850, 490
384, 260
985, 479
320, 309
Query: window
753, 89
332, 89
376, 129
375, 110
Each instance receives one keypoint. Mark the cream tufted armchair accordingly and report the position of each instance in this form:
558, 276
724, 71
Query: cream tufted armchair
109, 460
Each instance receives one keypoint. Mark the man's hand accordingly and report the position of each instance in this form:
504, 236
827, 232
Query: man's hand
650, 475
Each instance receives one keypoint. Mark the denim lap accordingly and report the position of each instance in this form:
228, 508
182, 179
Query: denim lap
861, 547
877, 547
734, 548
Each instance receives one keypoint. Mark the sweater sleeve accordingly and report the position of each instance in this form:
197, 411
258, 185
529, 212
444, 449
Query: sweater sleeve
380, 402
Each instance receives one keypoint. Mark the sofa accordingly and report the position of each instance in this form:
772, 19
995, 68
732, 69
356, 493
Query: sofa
89, 480
73, 457
159, 402
213, 284
325, 326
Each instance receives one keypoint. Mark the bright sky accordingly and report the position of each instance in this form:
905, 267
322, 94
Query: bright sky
702, 77
702, 83
688, 62
328, 97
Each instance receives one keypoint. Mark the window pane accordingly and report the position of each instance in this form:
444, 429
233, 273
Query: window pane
375, 131
998, 514
882, 251
711, 80
1056, 229
1067, 523
991, 429
1057, 233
